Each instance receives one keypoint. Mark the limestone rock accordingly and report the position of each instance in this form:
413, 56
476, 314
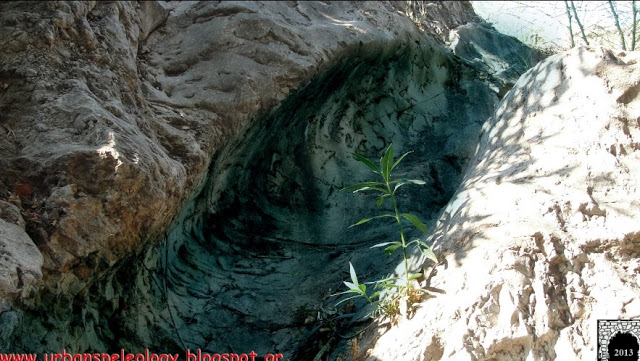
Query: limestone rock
497, 56
113, 111
178, 164
440, 18
21, 266
11, 213
541, 239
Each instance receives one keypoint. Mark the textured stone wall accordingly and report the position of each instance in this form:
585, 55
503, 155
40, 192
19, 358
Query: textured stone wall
541, 239
170, 170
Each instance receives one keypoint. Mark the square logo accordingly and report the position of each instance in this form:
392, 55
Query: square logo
618, 340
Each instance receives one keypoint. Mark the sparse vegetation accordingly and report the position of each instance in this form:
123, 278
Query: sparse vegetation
391, 295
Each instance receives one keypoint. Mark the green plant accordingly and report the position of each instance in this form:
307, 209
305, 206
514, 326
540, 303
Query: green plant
389, 298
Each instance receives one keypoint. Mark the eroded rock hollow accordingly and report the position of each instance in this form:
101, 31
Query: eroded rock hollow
181, 163
268, 236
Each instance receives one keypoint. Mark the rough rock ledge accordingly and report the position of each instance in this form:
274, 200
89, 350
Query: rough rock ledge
170, 176
542, 238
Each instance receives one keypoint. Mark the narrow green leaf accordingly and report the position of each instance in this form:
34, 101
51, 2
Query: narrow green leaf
381, 190
406, 180
386, 162
427, 251
415, 276
351, 285
365, 220
399, 159
344, 292
402, 182
389, 250
415, 221
375, 294
360, 186
362, 221
352, 271
388, 279
346, 299
381, 199
366, 161
386, 244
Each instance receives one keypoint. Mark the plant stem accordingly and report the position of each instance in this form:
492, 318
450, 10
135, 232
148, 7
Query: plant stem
366, 297
404, 245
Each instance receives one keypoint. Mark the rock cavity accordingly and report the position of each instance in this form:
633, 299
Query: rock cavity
242, 142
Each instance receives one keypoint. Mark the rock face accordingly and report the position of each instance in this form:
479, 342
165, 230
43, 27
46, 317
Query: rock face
541, 239
21, 261
171, 171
